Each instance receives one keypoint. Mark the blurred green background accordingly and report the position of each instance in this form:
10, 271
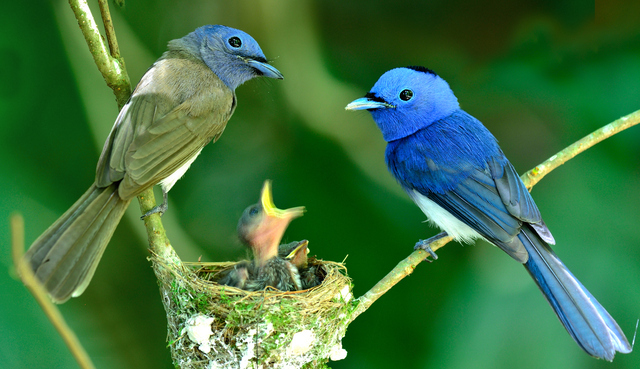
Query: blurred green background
539, 74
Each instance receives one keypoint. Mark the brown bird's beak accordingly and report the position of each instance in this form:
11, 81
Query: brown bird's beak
269, 233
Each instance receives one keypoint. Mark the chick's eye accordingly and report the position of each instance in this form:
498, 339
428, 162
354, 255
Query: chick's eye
235, 42
254, 211
406, 95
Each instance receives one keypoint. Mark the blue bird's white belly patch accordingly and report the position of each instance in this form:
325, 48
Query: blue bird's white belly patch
443, 219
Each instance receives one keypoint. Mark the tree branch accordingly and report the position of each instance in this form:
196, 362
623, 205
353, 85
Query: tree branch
115, 74
530, 179
158, 242
111, 67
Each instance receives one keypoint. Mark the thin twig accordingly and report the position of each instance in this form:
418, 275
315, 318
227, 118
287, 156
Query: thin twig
38, 292
91, 34
536, 174
403, 269
108, 29
530, 179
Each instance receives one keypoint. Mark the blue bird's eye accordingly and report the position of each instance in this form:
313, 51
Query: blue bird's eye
406, 95
235, 42
254, 211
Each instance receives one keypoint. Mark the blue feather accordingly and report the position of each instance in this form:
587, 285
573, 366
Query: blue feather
588, 323
442, 154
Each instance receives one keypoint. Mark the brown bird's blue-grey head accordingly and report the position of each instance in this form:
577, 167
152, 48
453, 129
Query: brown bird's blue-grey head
233, 55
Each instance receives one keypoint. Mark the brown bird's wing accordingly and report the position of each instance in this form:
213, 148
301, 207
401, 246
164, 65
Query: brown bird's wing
157, 132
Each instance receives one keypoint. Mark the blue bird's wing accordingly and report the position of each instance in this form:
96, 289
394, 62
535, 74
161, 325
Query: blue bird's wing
476, 202
489, 198
458, 164
516, 197
495, 203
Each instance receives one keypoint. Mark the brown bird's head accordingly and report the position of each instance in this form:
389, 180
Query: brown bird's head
262, 225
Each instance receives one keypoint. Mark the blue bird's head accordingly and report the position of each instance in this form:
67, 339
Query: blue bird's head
405, 100
233, 55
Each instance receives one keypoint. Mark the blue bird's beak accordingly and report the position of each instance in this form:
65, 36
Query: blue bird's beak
265, 69
366, 103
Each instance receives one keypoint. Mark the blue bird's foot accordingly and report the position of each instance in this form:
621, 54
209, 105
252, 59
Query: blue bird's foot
159, 208
424, 245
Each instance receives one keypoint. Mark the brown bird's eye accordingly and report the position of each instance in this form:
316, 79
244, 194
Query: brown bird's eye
235, 42
406, 95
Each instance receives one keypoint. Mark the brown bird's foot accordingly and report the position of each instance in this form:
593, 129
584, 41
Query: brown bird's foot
424, 245
159, 208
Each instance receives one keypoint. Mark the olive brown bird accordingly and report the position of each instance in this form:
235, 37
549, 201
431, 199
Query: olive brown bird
181, 104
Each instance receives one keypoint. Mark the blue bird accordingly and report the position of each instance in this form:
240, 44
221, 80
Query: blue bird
181, 104
453, 169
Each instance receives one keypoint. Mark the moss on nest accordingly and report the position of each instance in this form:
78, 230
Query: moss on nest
261, 329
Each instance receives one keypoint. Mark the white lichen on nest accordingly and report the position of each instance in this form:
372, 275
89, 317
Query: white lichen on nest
198, 329
264, 329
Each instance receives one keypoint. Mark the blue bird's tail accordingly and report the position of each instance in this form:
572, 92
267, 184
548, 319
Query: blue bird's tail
585, 319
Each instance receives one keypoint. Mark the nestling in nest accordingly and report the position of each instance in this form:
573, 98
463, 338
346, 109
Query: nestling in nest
278, 310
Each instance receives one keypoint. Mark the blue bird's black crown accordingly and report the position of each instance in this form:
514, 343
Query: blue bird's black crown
422, 69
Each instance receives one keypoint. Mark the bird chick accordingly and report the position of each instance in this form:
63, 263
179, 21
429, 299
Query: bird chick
296, 253
238, 275
261, 227
277, 273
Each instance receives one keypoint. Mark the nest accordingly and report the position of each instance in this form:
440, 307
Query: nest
216, 326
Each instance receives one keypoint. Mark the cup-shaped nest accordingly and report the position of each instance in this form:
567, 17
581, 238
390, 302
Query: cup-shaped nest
216, 326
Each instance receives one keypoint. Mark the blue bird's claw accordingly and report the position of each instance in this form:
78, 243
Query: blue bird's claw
427, 248
424, 245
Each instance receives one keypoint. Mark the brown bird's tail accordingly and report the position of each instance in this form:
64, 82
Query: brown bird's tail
66, 255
